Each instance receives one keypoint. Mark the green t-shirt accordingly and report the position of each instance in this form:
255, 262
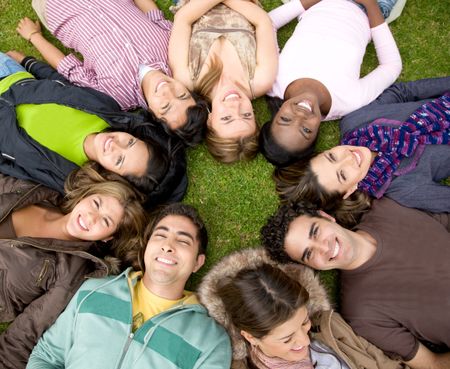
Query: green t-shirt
60, 128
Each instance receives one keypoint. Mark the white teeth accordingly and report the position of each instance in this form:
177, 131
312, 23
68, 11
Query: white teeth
231, 96
166, 261
107, 144
162, 83
297, 348
304, 105
336, 250
358, 158
82, 224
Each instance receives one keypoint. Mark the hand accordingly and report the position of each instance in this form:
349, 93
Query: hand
16, 55
26, 28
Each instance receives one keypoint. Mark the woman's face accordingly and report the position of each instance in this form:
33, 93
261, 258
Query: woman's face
232, 114
342, 167
296, 125
118, 152
290, 340
94, 218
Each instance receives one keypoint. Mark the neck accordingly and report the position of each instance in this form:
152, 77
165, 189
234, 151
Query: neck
367, 246
88, 146
309, 85
166, 291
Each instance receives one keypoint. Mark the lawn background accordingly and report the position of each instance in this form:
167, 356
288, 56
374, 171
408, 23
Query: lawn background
235, 200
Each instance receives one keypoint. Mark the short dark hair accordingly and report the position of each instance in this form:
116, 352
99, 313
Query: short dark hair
271, 149
157, 166
273, 233
180, 209
193, 131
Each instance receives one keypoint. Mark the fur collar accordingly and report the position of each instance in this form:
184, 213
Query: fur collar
230, 266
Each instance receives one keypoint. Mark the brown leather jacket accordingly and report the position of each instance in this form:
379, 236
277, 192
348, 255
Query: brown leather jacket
38, 276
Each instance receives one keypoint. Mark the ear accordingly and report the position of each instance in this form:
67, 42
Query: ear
252, 340
200, 261
327, 216
350, 191
208, 122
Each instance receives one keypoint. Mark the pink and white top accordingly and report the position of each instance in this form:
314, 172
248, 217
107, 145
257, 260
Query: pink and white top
114, 37
328, 44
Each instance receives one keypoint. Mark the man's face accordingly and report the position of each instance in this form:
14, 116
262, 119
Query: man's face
171, 255
320, 243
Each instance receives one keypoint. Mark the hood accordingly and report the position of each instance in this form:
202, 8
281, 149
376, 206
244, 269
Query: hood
231, 265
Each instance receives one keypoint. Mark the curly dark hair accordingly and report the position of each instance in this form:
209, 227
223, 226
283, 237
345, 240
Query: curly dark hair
274, 231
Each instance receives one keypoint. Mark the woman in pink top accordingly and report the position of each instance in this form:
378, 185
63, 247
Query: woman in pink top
319, 71
124, 47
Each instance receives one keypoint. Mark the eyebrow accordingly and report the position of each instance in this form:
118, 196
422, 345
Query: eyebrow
337, 173
100, 201
181, 233
310, 235
288, 336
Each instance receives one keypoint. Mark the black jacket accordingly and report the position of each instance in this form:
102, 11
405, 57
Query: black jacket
23, 157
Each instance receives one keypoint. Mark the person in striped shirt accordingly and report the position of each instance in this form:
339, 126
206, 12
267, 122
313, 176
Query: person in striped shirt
124, 48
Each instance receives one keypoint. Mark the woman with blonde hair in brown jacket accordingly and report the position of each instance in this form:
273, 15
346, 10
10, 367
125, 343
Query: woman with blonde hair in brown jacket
48, 248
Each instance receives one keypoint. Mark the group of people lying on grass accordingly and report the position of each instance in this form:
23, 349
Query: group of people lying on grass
82, 179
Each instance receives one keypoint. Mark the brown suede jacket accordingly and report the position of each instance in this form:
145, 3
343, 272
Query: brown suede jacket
38, 276
328, 326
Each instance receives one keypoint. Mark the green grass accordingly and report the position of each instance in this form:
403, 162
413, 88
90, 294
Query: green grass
235, 200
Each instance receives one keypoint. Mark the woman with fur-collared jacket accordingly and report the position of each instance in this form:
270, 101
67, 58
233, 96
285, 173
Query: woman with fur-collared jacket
278, 316
48, 248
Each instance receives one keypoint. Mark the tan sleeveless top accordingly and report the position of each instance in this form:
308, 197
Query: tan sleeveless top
221, 21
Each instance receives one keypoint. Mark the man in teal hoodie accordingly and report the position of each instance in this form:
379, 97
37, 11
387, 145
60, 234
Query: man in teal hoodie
142, 319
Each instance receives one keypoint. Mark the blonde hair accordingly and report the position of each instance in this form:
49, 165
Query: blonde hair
89, 180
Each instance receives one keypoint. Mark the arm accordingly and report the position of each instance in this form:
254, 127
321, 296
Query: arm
389, 68
285, 13
373, 12
145, 5
31, 31
266, 44
426, 359
17, 342
181, 36
49, 353
415, 90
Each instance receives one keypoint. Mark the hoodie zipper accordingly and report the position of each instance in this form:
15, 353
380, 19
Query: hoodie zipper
125, 349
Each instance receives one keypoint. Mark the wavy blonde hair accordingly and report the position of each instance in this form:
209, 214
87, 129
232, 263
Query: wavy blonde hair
91, 180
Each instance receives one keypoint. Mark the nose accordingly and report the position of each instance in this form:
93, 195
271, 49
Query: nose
167, 246
301, 338
322, 246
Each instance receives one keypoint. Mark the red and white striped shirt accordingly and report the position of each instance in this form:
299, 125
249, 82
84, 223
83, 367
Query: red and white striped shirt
114, 37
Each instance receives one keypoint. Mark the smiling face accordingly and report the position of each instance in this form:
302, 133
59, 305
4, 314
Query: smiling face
321, 244
296, 125
167, 98
94, 218
118, 152
232, 114
341, 168
171, 255
290, 340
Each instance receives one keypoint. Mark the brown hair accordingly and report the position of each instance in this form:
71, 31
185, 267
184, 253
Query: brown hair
87, 181
298, 182
261, 298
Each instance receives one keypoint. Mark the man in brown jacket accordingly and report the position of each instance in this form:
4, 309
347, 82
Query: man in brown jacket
395, 281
